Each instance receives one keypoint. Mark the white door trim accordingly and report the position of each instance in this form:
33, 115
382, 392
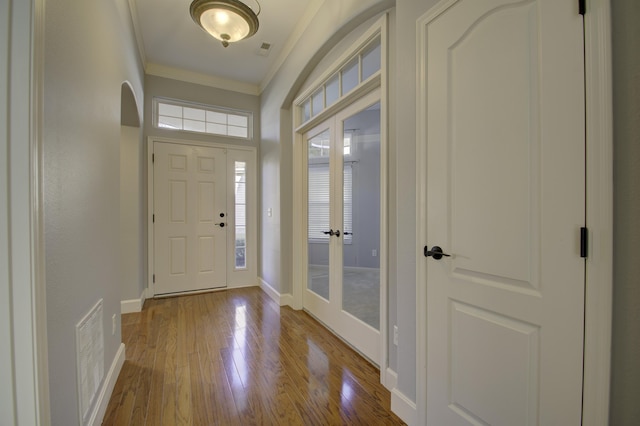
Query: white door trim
300, 229
599, 209
331, 312
299, 197
25, 356
599, 267
252, 211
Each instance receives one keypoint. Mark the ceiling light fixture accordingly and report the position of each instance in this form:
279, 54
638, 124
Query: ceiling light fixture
226, 20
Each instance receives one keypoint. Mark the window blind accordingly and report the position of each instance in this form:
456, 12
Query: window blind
319, 202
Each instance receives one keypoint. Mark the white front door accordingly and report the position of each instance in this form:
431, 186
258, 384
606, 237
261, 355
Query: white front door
190, 218
505, 154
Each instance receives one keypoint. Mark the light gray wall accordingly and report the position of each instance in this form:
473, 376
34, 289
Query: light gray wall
334, 20
86, 61
366, 190
392, 207
407, 12
133, 229
625, 359
181, 90
7, 403
133, 218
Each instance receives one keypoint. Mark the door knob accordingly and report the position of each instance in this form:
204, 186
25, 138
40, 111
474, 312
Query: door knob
337, 233
435, 252
221, 224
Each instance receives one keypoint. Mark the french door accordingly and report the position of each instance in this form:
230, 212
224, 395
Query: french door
343, 224
203, 236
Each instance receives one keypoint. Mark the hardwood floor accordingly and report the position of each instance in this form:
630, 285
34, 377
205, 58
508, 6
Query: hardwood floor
236, 358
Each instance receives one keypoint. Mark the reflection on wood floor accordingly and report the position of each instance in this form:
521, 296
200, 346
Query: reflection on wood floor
236, 358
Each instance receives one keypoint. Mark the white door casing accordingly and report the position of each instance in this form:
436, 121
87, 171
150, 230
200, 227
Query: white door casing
362, 336
190, 241
505, 156
301, 126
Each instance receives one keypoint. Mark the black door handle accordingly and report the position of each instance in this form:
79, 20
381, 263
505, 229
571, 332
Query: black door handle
435, 252
337, 233
329, 232
221, 224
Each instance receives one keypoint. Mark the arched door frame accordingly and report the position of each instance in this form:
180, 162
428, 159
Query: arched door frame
379, 28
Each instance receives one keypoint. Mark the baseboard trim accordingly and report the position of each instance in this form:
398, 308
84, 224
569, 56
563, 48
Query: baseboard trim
107, 388
133, 305
286, 299
403, 407
390, 379
280, 299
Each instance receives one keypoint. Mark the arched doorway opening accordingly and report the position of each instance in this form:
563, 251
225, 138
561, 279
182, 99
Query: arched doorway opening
132, 229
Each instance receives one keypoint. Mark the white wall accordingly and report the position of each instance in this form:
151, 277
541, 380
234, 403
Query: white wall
90, 51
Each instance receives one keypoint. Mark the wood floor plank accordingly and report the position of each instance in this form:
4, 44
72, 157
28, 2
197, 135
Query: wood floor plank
200, 397
235, 357
157, 371
220, 399
169, 399
183, 412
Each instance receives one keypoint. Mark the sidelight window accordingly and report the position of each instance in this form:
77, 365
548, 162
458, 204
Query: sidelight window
241, 215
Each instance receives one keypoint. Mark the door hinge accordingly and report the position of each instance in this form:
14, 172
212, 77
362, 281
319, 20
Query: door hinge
154, 278
584, 242
153, 158
153, 218
582, 7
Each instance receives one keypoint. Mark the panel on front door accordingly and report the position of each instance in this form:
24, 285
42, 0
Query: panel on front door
505, 199
189, 235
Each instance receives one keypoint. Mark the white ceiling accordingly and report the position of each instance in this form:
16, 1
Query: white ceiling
172, 42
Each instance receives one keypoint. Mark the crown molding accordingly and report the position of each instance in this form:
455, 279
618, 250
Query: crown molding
203, 79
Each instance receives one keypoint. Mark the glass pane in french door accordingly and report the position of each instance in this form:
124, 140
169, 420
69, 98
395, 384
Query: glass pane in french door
361, 216
318, 220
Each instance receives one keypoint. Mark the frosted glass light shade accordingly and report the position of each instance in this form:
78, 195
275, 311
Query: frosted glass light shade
226, 20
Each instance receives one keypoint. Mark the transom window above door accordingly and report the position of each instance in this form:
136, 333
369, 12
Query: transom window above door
363, 66
190, 117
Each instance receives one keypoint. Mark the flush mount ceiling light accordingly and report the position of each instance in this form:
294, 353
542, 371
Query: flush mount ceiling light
226, 20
